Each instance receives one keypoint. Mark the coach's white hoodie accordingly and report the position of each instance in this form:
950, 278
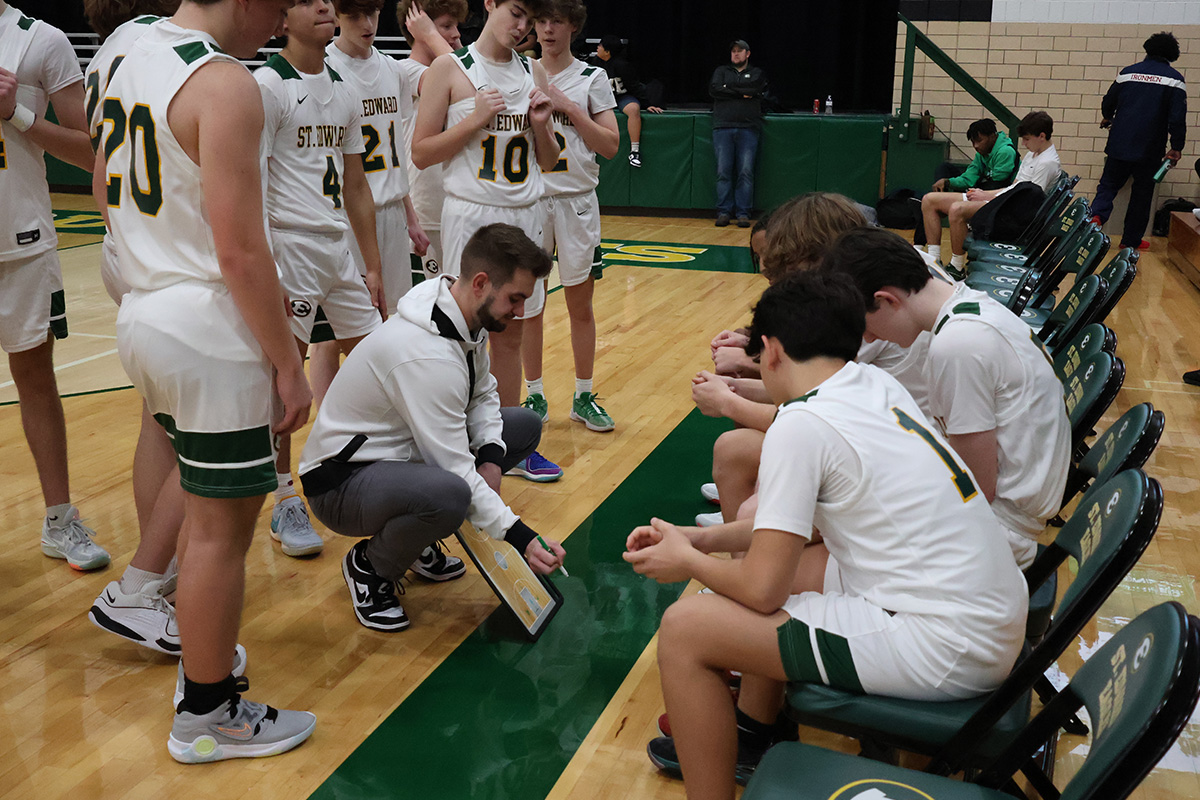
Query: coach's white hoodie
419, 389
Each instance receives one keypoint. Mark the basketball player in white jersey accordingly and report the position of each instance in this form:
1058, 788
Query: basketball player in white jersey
38, 68
992, 386
584, 125
135, 606
387, 111
926, 603
431, 29
202, 332
485, 116
317, 194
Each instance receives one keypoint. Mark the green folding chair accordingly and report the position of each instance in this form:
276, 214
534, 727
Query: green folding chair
1126, 444
1095, 337
1140, 688
1090, 390
1078, 307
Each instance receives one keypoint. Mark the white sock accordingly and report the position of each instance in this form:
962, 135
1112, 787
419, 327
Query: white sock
633, 146
958, 260
56, 514
535, 387
582, 386
935, 250
286, 489
134, 579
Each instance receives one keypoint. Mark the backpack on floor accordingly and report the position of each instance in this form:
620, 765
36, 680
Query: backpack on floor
1162, 218
896, 210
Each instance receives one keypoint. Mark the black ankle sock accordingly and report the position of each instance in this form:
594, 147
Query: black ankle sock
202, 698
753, 736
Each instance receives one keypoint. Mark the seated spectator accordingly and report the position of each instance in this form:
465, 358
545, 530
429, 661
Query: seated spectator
992, 388
993, 167
629, 91
921, 600
1040, 166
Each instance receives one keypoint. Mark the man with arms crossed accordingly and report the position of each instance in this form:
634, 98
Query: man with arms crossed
585, 126
38, 68
411, 439
485, 115
923, 601
202, 333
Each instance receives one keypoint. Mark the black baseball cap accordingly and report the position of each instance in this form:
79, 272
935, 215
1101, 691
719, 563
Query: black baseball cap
739, 44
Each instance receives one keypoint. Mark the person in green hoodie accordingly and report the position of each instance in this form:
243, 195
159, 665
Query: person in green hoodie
994, 166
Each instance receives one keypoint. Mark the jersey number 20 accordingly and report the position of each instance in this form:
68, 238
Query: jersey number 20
148, 198
962, 478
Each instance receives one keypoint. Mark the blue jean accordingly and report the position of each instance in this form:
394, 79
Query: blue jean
735, 146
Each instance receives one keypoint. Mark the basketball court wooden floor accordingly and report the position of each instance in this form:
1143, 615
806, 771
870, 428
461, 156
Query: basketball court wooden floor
452, 708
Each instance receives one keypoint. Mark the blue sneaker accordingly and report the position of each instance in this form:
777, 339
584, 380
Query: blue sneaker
537, 468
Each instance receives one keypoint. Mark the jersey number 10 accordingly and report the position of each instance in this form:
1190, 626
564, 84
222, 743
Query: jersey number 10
516, 160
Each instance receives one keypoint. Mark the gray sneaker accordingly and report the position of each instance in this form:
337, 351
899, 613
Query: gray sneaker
238, 729
239, 669
73, 542
291, 528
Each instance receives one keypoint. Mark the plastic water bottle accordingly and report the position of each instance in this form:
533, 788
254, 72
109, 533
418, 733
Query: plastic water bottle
829, 104
1162, 170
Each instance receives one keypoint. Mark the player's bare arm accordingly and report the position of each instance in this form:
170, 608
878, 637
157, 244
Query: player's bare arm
541, 113
217, 117
416, 233
445, 84
360, 210
68, 140
981, 452
599, 131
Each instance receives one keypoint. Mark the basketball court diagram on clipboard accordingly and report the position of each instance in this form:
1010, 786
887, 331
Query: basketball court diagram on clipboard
532, 598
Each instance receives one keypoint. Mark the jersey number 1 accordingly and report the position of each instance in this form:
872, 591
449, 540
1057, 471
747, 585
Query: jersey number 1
962, 479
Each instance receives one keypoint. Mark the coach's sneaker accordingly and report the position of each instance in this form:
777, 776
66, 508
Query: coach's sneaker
709, 492
537, 468
143, 617
291, 528
237, 729
68, 538
708, 520
585, 409
238, 670
536, 403
373, 596
435, 565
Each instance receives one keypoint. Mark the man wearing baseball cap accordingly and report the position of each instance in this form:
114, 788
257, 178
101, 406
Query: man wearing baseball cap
737, 90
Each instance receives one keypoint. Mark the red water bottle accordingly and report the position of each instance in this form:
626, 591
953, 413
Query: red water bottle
816, 105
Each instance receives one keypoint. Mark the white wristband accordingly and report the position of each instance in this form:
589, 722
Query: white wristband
22, 118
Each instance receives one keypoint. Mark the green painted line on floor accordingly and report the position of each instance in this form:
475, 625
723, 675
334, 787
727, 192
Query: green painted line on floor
502, 718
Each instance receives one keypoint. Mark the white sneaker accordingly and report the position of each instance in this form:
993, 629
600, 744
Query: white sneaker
239, 669
238, 729
708, 520
73, 542
144, 617
291, 528
709, 491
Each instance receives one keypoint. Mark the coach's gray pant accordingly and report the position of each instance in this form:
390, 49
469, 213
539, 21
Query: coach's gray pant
406, 507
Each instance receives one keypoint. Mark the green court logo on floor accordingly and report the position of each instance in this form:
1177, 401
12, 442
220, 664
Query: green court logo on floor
79, 222
671, 255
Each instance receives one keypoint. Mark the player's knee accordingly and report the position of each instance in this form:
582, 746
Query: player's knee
680, 623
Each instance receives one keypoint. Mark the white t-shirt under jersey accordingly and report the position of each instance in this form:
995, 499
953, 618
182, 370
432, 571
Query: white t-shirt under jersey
44, 63
988, 371
897, 508
577, 171
382, 86
312, 123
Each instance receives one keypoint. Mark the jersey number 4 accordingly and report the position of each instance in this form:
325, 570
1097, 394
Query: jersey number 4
962, 479
516, 160
331, 184
138, 125
3, 156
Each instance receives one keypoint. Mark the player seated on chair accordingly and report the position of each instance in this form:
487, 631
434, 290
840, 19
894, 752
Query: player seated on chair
992, 387
921, 600
411, 439
993, 167
1040, 166
627, 88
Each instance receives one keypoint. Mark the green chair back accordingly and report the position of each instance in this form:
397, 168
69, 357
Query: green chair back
1090, 390
1077, 308
1093, 338
1127, 444
1119, 275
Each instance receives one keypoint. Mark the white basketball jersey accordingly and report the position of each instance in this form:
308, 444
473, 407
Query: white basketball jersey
27, 48
382, 86
577, 171
155, 200
909, 527
497, 167
105, 62
312, 123
1006, 383
424, 185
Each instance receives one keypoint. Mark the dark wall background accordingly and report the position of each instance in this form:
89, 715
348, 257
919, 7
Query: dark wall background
809, 50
